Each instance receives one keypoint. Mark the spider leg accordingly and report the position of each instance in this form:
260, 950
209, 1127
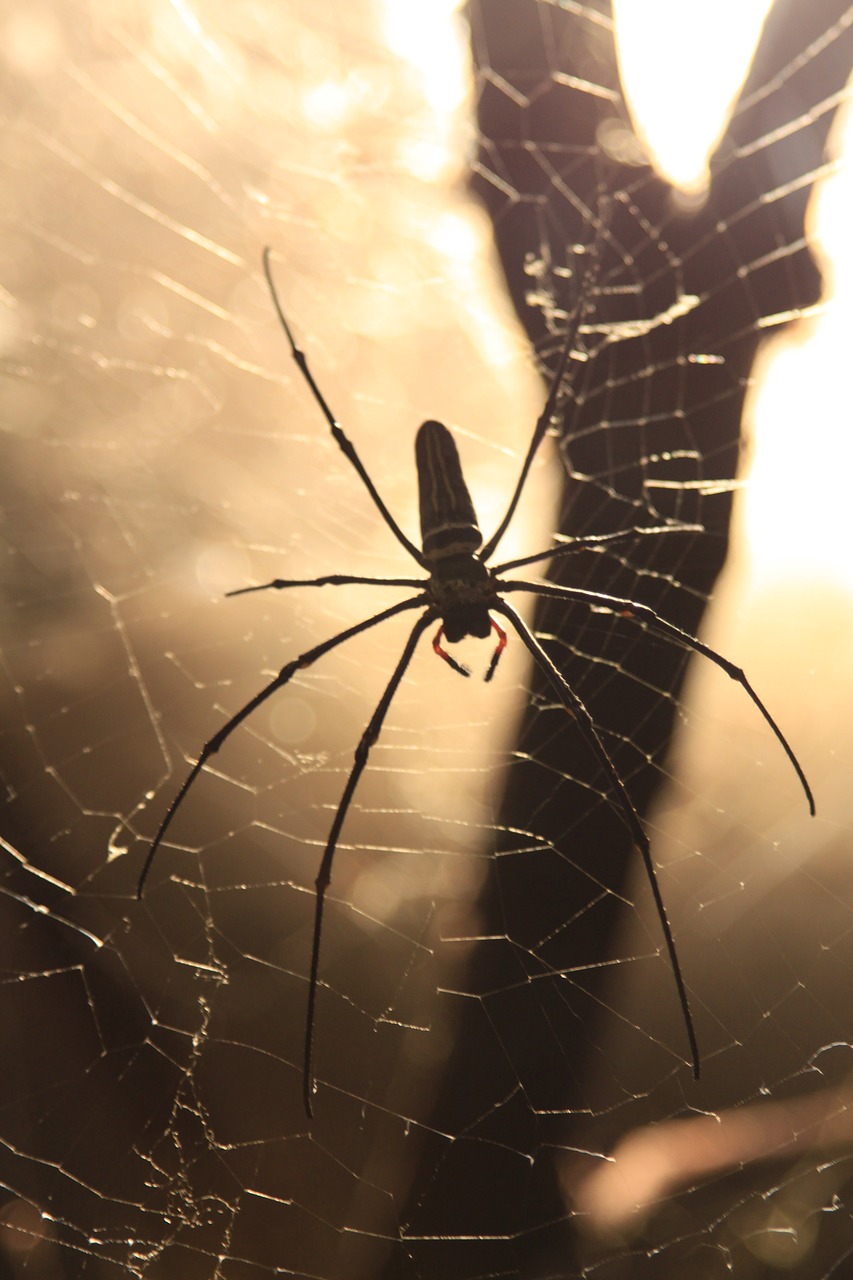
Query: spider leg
544, 419
324, 875
496, 656
659, 626
286, 673
539, 431
342, 440
330, 580
585, 723
594, 540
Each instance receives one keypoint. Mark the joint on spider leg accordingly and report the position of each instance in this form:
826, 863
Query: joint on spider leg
364, 747
439, 649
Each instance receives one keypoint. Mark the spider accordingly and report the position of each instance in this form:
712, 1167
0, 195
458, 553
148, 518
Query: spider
462, 592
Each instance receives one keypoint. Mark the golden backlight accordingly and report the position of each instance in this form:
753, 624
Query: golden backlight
682, 67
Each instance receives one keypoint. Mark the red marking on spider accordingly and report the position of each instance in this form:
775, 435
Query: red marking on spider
440, 650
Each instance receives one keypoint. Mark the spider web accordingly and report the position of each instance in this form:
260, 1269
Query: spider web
502, 1084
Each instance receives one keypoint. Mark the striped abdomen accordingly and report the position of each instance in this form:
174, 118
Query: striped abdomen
448, 520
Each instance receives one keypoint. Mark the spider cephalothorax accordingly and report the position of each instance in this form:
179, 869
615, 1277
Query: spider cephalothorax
462, 594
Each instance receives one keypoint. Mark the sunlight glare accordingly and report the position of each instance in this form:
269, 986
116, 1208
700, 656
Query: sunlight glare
799, 411
799, 376
428, 39
682, 66
326, 105
419, 34
455, 238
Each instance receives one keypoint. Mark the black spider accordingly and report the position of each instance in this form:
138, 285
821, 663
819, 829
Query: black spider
461, 592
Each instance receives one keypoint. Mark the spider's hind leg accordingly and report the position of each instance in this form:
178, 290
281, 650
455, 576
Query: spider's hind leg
622, 803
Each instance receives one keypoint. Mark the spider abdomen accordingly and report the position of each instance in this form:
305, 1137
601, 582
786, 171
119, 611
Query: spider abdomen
448, 520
